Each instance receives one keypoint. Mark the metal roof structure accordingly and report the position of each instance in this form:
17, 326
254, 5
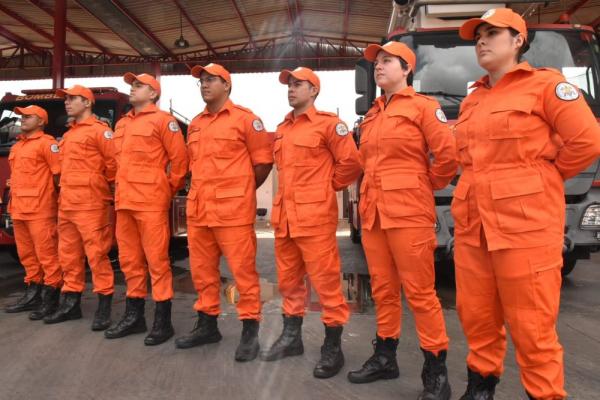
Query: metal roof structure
110, 37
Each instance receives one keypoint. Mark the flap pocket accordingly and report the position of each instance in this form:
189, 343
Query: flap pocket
462, 189
307, 140
410, 113
395, 182
136, 176
224, 193
521, 106
193, 138
519, 186
76, 180
226, 134
27, 192
142, 133
277, 145
310, 196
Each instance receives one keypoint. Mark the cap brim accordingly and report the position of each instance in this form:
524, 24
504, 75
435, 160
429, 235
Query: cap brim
197, 70
19, 111
371, 52
61, 93
284, 76
129, 78
467, 30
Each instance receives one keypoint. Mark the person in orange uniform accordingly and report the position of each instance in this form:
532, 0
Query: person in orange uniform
88, 168
521, 132
231, 155
35, 169
315, 157
397, 210
151, 167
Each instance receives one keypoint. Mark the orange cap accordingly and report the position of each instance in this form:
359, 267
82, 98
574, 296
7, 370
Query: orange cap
302, 74
397, 49
76, 90
500, 17
33, 110
212, 69
146, 79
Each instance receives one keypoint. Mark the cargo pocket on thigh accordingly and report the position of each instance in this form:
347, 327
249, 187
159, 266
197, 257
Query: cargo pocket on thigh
547, 281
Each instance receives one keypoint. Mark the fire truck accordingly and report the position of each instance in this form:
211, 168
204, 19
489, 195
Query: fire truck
447, 66
110, 105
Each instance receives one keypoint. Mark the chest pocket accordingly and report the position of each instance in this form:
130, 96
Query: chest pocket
277, 145
75, 148
194, 145
306, 150
365, 128
401, 124
460, 129
26, 163
142, 146
226, 143
511, 120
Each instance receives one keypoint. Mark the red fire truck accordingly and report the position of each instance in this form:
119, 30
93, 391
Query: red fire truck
110, 106
447, 66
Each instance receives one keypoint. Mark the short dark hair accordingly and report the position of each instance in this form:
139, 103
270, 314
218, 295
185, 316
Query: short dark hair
404, 65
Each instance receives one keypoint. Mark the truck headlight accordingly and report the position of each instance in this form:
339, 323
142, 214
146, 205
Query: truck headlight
591, 217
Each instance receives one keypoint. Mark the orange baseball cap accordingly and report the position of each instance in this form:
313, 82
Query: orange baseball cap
500, 17
212, 69
76, 90
302, 74
33, 110
397, 49
146, 79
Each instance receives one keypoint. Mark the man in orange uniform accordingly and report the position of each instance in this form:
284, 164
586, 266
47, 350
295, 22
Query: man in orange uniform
315, 157
151, 168
521, 132
88, 168
35, 169
231, 155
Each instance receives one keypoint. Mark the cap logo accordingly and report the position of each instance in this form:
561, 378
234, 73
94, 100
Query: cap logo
210, 65
298, 69
488, 13
388, 44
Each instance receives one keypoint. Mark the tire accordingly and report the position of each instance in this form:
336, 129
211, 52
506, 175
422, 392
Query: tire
568, 266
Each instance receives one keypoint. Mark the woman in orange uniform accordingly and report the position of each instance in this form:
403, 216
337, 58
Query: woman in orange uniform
520, 134
397, 210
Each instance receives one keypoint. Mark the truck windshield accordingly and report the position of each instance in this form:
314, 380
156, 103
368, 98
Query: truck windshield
447, 65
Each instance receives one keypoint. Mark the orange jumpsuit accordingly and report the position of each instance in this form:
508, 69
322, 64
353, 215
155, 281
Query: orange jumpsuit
315, 157
397, 209
151, 167
517, 142
33, 161
88, 165
221, 205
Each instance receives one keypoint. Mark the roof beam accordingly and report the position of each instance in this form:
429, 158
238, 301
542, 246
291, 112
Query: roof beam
18, 40
346, 18
72, 28
142, 28
189, 20
243, 21
30, 25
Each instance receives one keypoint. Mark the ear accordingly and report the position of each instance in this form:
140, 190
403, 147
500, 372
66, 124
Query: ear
87, 103
519, 40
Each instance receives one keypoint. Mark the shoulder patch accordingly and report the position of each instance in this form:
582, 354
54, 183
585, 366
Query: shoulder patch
439, 114
54, 148
258, 125
173, 126
567, 92
108, 135
341, 129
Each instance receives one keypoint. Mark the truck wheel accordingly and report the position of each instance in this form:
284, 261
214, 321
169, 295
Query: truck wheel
568, 266
354, 234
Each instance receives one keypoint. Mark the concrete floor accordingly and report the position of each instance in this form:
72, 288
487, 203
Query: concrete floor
69, 361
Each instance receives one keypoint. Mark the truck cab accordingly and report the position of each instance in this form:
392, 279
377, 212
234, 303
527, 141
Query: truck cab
447, 66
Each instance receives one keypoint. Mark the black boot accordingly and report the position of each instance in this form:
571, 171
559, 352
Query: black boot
248, 348
205, 331
332, 358
50, 297
289, 343
381, 365
30, 300
435, 377
480, 388
132, 322
102, 315
69, 308
162, 329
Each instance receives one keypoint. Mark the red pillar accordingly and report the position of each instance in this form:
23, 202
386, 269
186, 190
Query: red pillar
60, 31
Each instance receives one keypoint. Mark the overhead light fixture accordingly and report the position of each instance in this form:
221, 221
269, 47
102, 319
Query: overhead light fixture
181, 43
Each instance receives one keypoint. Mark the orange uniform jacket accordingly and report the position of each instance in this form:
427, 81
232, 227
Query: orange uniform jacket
395, 143
145, 144
223, 148
33, 162
315, 157
88, 165
530, 131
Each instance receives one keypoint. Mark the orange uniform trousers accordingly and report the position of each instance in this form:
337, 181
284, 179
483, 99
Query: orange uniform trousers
318, 257
143, 240
37, 246
84, 234
402, 259
519, 287
238, 245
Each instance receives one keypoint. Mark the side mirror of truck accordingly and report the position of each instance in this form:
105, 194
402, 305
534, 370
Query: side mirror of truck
364, 85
